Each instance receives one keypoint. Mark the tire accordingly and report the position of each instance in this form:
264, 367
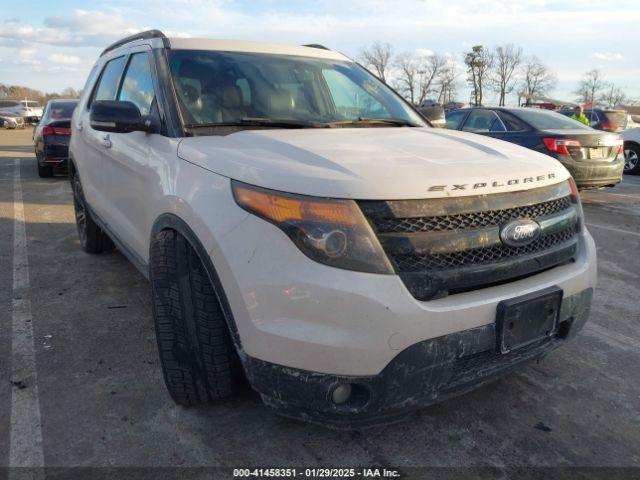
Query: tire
43, 172
632, 159
198, 358
92, 238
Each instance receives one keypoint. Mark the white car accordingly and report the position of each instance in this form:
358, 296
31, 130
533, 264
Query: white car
302, 225
30, 111
11, 121
631, 139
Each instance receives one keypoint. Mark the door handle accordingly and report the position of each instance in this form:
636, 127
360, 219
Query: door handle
106, 141
79, 126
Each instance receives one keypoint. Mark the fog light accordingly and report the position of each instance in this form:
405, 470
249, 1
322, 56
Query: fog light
341, 393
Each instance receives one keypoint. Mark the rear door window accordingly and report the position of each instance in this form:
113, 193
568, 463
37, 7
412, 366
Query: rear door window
137, 86
109, 80
453, 119
483, 121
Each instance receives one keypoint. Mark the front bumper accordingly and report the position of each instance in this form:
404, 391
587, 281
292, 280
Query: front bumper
594, 174
423, 374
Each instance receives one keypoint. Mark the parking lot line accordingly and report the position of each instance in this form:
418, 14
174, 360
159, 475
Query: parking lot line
613, 229
25, 449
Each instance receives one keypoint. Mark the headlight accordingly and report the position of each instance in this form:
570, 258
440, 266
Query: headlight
333, 232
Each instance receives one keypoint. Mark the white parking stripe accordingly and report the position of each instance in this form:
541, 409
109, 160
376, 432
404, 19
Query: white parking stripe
613, 229
25, 448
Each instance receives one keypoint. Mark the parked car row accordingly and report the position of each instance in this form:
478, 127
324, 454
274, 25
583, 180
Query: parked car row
594, 158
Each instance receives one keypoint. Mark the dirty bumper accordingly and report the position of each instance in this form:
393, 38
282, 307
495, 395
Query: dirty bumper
587, 174
425, 373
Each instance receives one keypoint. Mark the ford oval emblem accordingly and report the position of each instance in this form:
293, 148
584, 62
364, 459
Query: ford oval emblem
518, 233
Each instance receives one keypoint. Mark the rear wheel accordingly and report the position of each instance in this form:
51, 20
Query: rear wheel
43, 172
632, 159
198, 358
92, 238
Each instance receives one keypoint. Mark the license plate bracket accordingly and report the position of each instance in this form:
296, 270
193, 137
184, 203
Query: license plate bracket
523, 320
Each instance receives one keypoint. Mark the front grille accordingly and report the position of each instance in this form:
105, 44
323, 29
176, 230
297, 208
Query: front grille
416, 263
469, 220
450, 245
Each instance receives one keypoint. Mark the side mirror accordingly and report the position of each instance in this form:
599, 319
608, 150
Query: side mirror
117, 117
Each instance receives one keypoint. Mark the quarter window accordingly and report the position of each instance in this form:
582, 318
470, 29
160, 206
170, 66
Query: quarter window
137, 86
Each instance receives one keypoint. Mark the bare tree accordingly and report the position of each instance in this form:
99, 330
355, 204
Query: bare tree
479, 61
407, 81
507, 59
378, 57
537, 78
417, 76
430, 68
591, 86
614, 96
446, 82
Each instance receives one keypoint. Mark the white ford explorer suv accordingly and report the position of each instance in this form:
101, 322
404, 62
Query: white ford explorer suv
303, 227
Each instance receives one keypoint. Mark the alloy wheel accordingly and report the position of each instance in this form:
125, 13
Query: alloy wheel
80, 209
630, 160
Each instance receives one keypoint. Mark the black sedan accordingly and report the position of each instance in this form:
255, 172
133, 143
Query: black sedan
51, 137
594, 158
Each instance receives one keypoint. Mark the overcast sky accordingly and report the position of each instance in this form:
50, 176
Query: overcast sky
50, 45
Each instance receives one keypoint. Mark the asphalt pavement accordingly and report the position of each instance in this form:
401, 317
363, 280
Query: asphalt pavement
81, 385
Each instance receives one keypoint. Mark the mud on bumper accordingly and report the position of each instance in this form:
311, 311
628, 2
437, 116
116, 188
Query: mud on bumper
589, 175
423, 374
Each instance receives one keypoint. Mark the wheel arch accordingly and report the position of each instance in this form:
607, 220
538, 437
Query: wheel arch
632, 143
170, 221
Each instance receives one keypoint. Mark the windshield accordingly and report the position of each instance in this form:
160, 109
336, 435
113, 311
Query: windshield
546, 120
31, 104
234, 88
61, 110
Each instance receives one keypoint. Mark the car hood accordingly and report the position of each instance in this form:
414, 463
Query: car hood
373, 163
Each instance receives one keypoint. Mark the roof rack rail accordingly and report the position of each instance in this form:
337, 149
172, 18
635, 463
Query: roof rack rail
316, 45
136, 36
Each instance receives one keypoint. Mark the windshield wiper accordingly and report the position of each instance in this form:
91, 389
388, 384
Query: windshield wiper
261, 122
372, 121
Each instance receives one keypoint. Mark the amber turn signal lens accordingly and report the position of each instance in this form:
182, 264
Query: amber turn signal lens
281, 208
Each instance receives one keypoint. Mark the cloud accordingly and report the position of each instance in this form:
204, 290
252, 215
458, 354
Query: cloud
62, 59
607, 56
424, 52
79, 28
27, 56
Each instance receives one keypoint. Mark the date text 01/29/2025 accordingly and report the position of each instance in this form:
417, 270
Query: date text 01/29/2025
315, 473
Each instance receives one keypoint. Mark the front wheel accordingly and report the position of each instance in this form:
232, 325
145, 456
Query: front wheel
632, 159
198, 357
92, 238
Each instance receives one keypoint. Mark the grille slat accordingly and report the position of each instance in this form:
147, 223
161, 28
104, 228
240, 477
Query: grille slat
468, 220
